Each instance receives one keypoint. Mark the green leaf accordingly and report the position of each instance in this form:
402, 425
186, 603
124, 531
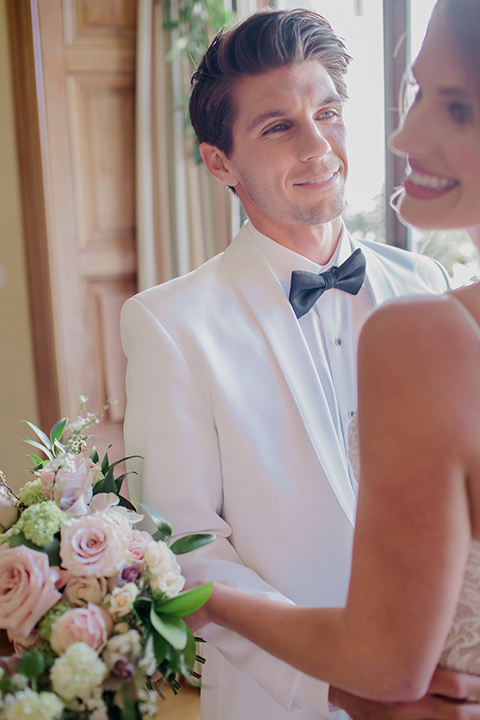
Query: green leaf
171, 628
105, 463
160, 646
142, 607
38, 461
94, 456
186, 602
52, 551
123, 502
162, 523
57, 430
40, 434
191, 542
39, 447
129, 710
190, 652
31, 664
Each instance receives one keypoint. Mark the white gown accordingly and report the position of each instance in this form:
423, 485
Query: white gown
462, 648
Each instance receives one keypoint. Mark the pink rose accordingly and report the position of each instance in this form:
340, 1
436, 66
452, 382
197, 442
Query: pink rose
69, 484
90, 625
94, 544
139, 542
27, 588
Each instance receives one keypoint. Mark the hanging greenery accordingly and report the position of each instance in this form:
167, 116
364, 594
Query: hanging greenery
195, 23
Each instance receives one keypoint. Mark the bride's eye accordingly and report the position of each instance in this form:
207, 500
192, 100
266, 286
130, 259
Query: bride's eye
461, 112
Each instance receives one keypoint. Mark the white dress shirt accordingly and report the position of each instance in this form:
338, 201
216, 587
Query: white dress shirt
331, 328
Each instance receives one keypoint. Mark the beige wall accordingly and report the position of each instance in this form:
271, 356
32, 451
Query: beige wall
17, 384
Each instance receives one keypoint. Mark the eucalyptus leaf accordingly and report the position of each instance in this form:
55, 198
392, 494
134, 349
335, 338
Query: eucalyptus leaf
191, 542
171, 628
58, 429
186, 602
162, 524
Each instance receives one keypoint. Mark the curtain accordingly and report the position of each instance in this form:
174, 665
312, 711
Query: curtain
184, 216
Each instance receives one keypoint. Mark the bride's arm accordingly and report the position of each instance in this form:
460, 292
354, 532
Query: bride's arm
418, 418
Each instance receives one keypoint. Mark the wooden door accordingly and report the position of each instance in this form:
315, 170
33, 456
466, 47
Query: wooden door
74, 62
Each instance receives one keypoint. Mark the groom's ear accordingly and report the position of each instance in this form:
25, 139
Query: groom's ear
218, 164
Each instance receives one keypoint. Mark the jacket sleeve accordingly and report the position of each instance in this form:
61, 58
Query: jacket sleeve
170, 424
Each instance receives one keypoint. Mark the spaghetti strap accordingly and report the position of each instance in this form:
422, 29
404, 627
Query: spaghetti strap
466, 313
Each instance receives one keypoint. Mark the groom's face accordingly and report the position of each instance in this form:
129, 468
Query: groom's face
289, 162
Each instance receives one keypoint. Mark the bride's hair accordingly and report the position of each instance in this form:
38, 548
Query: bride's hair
463, 17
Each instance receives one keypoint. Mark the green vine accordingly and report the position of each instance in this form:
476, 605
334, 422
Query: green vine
196, 23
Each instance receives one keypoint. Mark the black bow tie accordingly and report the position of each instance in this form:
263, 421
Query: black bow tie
307, 287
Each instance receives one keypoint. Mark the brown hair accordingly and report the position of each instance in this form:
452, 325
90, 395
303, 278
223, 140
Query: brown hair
463, 17
267, 40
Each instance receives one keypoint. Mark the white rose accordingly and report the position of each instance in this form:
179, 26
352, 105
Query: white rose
81, 590
122, 599
169, 583
8, 509
126, 646
164, 568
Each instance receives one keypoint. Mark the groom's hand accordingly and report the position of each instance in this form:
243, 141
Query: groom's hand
451, 696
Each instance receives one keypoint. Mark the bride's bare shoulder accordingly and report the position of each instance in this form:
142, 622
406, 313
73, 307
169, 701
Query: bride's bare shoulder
426, 337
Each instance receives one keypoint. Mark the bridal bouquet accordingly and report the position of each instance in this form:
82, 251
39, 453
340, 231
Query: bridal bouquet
92, 606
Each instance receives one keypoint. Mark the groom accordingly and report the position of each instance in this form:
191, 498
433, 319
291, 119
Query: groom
239, 398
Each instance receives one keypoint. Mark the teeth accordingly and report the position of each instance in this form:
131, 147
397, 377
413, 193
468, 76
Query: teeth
431, 181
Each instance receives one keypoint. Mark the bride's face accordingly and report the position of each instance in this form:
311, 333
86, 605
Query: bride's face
441, 138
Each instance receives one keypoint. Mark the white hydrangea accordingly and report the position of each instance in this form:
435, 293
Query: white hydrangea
29, 704
77, 672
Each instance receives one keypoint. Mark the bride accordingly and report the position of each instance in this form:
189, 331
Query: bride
414, 595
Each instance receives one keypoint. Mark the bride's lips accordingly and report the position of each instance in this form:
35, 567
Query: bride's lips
423, 185
325, 180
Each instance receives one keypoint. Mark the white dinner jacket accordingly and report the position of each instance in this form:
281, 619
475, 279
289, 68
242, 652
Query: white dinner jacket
225, 406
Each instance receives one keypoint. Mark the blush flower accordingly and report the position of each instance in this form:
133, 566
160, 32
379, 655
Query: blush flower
27, 588
94, 545
138, 544
88, 625
81, 590
68, 481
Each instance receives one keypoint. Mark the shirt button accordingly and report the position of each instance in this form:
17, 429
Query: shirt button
338, 341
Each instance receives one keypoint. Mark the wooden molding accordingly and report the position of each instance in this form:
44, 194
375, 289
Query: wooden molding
27, 89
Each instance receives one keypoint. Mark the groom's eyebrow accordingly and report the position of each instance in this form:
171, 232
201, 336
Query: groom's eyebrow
279, 112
